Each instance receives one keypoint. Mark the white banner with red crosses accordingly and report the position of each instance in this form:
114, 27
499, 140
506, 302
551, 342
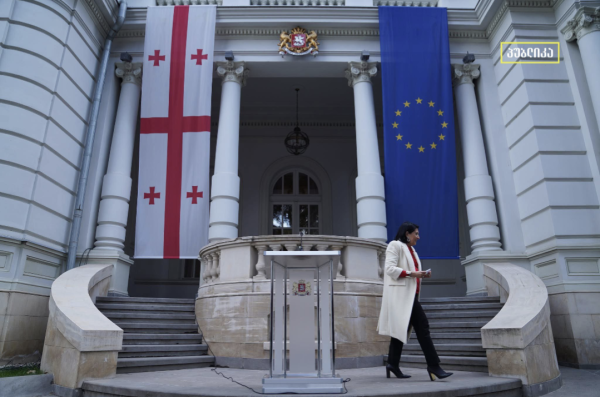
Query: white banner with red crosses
173, 197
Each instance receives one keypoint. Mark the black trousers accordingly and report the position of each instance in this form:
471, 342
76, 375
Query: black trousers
419, 321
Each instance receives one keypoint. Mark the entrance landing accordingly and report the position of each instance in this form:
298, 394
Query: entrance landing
202, 382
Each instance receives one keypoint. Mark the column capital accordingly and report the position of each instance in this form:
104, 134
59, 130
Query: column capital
464, 73
586, 20
130, 72
360, 71
233, 71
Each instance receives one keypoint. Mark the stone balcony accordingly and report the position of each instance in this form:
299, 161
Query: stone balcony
232, 307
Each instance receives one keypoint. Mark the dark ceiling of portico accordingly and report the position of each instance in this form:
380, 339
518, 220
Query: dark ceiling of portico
322, 100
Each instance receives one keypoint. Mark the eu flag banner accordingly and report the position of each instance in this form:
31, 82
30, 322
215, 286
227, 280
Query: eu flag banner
419, 147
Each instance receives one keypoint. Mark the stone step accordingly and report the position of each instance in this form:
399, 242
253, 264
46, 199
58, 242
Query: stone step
129, 351
451, 338
461, 299
148, 364
161, 339
153, 328
463, 307
144, 317
458, 326
133, 307
162, 301
453, 316
448, 363
447, 349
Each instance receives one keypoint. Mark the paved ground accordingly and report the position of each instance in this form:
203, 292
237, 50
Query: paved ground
576, 382
364, 382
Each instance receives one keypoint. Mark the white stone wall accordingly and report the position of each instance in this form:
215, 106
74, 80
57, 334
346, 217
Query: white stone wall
551, 137
49, 54
558, 203
47, 73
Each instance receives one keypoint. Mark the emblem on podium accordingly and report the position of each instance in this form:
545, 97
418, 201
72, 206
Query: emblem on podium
298, 42
301, 288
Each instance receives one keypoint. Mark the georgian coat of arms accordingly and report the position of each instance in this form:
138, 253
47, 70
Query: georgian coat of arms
298, 42
301, 288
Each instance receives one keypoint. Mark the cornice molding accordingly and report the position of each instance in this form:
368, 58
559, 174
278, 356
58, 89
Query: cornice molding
325, 32
293, 124
98, 16
238, 15
516, 4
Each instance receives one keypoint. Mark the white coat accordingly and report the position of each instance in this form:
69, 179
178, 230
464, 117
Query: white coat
398, 293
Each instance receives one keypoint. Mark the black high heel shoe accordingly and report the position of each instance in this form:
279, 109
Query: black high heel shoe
396, 371
437, 373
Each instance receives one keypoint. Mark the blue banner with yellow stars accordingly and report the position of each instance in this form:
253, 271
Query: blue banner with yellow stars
419, 147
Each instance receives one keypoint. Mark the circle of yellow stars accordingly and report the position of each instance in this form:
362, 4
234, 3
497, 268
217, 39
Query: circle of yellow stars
443, 124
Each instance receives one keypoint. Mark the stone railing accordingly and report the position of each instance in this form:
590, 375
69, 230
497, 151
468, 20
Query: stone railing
81, 343
302, 3
242, 256
519, 340
232, 307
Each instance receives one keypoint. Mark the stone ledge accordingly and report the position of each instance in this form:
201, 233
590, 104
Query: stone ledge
30, 385
526, 312
518, 340
540, 389
263, 363
75, 315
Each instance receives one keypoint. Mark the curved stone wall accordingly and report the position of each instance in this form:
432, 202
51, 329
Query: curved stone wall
518, 341
81, 343
233, 301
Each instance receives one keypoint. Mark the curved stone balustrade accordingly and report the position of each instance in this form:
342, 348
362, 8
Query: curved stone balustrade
519, 340
81, 343
233, 301
353, 248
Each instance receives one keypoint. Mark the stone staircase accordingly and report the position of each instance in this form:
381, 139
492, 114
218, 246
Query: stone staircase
159, 334
455, 325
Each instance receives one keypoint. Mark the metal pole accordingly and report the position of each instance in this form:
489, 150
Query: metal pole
285, 323
89, 142
272, 319
318, 321
332, 324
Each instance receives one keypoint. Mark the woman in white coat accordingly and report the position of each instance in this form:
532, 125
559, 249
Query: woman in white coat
400, 307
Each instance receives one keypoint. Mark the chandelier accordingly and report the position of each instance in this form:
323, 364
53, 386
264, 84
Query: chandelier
296, 141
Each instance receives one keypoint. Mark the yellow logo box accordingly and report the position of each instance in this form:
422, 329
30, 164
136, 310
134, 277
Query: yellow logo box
536, 51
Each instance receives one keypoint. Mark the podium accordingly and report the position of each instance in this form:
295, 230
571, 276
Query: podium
302, 337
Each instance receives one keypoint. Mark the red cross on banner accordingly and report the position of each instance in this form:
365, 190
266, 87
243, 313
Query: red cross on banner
151, 196
156, 58
175, 132
199, 57
194, 194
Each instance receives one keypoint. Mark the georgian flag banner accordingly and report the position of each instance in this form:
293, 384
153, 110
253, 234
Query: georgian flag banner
173, 197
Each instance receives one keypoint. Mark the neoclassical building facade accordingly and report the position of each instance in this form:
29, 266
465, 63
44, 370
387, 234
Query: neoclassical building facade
528, 150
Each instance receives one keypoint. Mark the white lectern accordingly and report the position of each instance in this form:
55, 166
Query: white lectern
302, 288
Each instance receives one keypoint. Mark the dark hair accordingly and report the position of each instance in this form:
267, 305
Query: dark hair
405, 227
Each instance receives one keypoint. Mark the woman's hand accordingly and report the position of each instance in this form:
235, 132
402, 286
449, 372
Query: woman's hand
420, 274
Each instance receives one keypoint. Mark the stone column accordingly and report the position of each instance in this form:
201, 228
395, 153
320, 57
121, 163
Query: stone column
585, 28
479, 192
338, 266
116, 185
225, 195
260, 263
370, 192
